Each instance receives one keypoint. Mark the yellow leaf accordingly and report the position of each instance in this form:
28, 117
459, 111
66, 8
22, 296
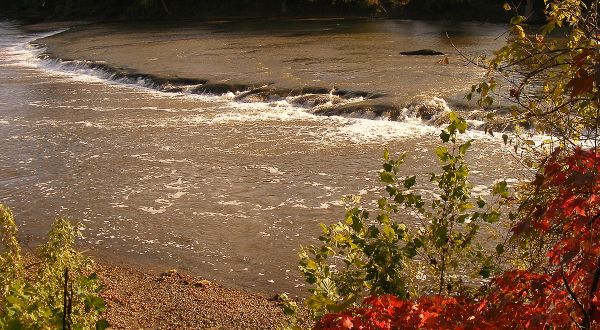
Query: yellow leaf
519, 31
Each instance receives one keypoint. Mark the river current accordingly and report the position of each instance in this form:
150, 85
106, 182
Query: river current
98, 124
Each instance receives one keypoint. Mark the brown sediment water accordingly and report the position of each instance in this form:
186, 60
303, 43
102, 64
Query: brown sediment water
289, 55
104, 126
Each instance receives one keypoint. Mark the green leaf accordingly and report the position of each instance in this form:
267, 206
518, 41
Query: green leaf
453, 117
464, 147
399, 199
317, 302
388, 167
492, 217
500, 248
389, 232
462, 218
485, 271
440, 235
15, 301
311, 265
102, 324
500, 188
445, 136
506, 6
519, 31
410, 182
480, 202
373, 231
94, 303
357, 224
517, 20
442, 153
15, 325
324, 228
386, 177
461, 125
488, 101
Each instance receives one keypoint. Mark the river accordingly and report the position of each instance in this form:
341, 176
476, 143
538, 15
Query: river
217, 147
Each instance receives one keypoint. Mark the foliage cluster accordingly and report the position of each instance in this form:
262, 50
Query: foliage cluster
551, 275
57, 291
550, 75
359, 257
563, 294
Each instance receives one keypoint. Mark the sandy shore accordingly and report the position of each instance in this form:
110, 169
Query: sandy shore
171, 300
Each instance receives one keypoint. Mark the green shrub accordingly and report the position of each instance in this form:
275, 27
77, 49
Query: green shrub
11, 263
438, 253
58, 291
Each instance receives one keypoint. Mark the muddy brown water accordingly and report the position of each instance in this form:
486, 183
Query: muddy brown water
221, 188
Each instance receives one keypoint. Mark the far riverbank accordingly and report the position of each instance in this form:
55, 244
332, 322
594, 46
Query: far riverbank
104, 11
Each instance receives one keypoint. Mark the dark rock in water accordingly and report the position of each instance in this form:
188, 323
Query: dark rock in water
306, 96
426, 113
363, 110
220, 88
263, 94
431, 109
350, 94
313, 100
309, 90
178, 81
396, 115
423, 52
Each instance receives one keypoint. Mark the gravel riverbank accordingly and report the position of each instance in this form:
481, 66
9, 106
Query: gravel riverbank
171, 300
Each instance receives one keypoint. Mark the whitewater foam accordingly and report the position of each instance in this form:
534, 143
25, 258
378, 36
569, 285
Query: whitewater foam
308, 106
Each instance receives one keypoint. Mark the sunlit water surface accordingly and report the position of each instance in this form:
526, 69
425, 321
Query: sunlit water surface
223, 189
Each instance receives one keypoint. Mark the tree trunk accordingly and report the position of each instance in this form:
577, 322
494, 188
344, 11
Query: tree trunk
165, 8
284, 8
529, 8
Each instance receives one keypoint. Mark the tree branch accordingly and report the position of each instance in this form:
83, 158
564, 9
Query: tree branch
586, 316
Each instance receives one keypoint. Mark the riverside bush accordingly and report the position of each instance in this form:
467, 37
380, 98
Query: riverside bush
440, 255
564, 294
553, 276
59, 290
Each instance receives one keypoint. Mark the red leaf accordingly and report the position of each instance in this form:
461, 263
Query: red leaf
581, 83
347, 323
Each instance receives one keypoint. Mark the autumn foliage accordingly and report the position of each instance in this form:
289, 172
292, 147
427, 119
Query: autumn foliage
545, 273
561, 293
